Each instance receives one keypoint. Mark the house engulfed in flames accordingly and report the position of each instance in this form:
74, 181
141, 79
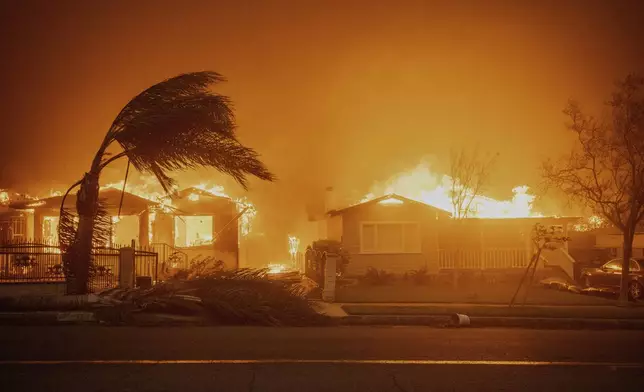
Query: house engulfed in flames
194, 223
406, 224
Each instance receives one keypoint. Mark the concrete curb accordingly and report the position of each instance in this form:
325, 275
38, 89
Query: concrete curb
505, 322
47, 318
89, 318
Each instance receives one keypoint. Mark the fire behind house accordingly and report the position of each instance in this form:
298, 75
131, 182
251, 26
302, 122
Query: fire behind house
398, 234
196, 223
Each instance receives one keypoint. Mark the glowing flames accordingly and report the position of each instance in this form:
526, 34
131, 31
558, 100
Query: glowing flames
293, 246
276, 268
216, 190
423, 185
4, 197
247, 218
148, 188
591, 223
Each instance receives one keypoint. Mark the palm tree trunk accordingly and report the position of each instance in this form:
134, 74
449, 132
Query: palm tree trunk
81, 250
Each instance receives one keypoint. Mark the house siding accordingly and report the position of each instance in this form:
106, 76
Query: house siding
396, 263
334, 228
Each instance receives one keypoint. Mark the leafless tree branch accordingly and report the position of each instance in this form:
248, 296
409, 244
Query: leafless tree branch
605, 171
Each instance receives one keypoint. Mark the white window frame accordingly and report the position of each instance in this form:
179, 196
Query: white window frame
20, 223
403, 224
187, 246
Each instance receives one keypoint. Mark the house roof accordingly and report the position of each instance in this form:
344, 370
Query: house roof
112, 197
196, 191
562, 219
447, 214
389, 197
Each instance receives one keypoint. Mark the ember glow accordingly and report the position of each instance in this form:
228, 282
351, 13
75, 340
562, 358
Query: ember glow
424, 185
591, 223
50, 229
148, 187
216, 190
276, 268
193, 230
4, 197
293, 246
249, 214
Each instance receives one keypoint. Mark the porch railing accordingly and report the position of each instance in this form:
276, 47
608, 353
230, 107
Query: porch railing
483, 259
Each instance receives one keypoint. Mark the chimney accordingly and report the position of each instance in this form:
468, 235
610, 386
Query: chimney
330, 200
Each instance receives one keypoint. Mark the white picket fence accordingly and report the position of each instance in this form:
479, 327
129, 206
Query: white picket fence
484, 259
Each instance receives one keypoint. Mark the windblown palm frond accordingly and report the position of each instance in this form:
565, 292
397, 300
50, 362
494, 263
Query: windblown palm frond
174, 125
179, 124
68, 227
242, 297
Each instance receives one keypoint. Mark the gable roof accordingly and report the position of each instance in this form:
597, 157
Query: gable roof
111, 196
392, 196
184, 193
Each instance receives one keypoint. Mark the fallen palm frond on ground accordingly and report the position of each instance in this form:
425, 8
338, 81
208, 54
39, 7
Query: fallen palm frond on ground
240, 297
562, 285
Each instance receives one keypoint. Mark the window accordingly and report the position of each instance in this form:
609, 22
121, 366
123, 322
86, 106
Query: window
50, 229
616, 265
18, 228
193, 230
390, 237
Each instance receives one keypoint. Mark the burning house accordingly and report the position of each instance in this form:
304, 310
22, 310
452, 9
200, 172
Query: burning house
398, 234
194, 223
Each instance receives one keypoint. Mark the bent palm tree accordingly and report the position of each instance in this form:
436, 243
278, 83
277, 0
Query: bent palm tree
174, 125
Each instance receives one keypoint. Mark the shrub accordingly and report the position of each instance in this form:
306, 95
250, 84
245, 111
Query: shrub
316, 254
419, 277
377, 277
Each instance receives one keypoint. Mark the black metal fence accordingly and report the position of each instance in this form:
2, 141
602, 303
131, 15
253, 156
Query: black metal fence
37, 262
29, 261
146, 263
105, 264
171, 256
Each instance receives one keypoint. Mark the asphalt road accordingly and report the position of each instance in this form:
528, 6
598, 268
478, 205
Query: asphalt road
318, 359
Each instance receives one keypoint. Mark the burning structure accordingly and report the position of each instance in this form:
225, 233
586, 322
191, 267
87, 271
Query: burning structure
408, 223
195, 223
398, 234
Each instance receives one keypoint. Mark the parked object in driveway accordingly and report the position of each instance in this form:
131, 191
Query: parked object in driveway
609, 275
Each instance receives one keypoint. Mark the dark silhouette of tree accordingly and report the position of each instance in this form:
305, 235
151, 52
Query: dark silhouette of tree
605, 170
177, 124
470, 174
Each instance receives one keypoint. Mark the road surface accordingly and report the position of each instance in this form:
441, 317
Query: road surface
345, 359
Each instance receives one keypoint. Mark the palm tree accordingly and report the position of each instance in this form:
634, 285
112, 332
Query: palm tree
174, 125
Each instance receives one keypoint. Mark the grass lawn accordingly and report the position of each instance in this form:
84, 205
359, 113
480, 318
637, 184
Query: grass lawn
405, 292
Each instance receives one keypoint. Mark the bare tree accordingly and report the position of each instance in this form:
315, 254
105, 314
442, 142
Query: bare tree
174, 125
605, 169
470, 174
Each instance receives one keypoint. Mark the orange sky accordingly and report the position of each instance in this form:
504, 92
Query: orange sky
336, 93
